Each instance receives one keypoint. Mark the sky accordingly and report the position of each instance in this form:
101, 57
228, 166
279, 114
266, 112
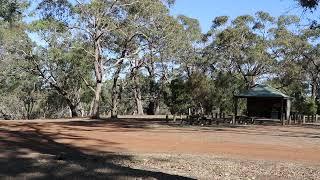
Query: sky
206, 10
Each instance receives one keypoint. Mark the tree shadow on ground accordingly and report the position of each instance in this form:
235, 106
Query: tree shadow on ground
31, 154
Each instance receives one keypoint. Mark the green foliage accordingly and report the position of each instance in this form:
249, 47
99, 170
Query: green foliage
250, 56
199, 90
310, 107
177, 97
310, 4
219, 21
12, 10
191, 26
226, 86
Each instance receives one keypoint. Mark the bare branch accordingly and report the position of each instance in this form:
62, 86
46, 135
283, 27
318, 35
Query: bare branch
88, 85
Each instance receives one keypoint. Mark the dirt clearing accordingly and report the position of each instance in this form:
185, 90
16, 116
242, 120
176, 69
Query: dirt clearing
154, 149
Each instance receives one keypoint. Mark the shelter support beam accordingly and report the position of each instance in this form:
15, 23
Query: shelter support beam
288, 108
282, 118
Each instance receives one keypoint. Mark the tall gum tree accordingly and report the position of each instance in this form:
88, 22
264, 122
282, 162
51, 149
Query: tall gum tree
96, 20
15, 47
148, 26
101, 22
297, 54
244, 46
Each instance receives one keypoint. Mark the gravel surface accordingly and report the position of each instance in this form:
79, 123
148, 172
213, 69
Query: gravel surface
155, 166
214, 167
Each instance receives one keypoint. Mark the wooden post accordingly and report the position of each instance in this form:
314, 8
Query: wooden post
288, 110
290, 120
235, 110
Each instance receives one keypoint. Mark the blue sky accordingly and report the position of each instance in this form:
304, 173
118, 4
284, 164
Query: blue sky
206, 10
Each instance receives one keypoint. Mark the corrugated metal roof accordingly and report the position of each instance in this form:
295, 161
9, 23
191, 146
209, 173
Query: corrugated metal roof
262, 91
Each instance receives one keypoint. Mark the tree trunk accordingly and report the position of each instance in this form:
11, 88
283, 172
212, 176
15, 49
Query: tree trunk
96, 102
114, 110
139, 106
137, 94
74, 111
158, 98
153, 107
29, 105
174, 117
314, 90
138, 99
73, 108
155, 98
115, 91
250, 81
157, 107
98, 67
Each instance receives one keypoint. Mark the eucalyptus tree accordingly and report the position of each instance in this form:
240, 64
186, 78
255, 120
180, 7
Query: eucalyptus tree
96, 20
311, 63
165, 43
244, 46
189, 53
15, 47
297, 57
297, 54
61, 63
164, 40
124, 48
177, 97
101, 23
288, 48
62, 71
148, 30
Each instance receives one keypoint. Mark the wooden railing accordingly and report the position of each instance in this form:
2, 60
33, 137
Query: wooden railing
303, 119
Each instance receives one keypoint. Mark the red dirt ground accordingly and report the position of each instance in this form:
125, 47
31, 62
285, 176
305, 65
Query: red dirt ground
297, 144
